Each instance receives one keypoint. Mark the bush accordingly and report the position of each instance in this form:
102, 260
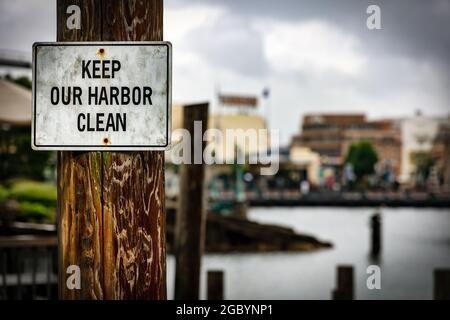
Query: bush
33, 191
37, 200
37, 212
4, 193
363, 157
23, 162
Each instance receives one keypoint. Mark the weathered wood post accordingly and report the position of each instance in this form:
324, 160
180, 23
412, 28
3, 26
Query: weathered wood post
442, 284
111, 205
345, 287
190, 218
215, 285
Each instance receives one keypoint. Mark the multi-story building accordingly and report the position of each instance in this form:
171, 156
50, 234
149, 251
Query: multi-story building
325, 134
331, 135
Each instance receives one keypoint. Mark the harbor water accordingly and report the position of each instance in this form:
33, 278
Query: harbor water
415, 241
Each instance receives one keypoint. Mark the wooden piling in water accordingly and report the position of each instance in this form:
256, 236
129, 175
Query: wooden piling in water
375, 225
441, 284
344, 283
215, 285
111, 205
190, 218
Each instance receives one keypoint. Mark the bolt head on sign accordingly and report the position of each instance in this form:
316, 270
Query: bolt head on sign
101, 96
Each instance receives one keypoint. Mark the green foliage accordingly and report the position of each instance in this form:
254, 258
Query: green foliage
24, 82
36, 212
363, 158
37, 200
34, 191
4, 193
21, 160
424, 163
21, 81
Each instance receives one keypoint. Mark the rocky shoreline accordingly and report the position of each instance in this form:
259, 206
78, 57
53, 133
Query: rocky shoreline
226, 234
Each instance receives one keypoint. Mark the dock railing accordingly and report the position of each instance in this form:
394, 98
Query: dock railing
28, 267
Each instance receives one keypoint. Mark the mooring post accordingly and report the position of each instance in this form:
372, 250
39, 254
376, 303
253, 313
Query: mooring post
375, 226
215, 285
345, 287
111, 205
190, 218
442, 284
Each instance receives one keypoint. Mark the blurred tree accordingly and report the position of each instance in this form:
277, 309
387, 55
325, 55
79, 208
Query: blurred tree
424, 163
17, 159
24, 82
363, 157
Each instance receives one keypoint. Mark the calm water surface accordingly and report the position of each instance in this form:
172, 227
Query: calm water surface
415, 241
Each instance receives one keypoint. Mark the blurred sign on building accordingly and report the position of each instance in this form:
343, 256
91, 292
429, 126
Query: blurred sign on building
238, 100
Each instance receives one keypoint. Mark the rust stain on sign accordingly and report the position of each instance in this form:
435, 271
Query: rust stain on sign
101, 52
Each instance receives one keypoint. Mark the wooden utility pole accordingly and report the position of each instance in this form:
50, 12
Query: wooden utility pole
111, 205
190, 218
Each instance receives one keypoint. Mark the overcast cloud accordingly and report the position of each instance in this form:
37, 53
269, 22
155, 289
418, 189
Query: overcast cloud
315, 56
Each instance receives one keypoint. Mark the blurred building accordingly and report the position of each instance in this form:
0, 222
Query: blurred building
385, 136
308, 161
330, 135
441, 154
221, 175
418, 135
325, 134
250, 125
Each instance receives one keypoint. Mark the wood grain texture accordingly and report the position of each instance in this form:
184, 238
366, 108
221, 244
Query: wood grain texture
133, 194
80, 222
190, 218
111, 205
135, 20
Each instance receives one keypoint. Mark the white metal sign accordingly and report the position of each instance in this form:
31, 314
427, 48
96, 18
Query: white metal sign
101, 96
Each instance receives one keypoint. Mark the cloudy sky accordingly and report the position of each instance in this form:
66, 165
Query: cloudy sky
315, 56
